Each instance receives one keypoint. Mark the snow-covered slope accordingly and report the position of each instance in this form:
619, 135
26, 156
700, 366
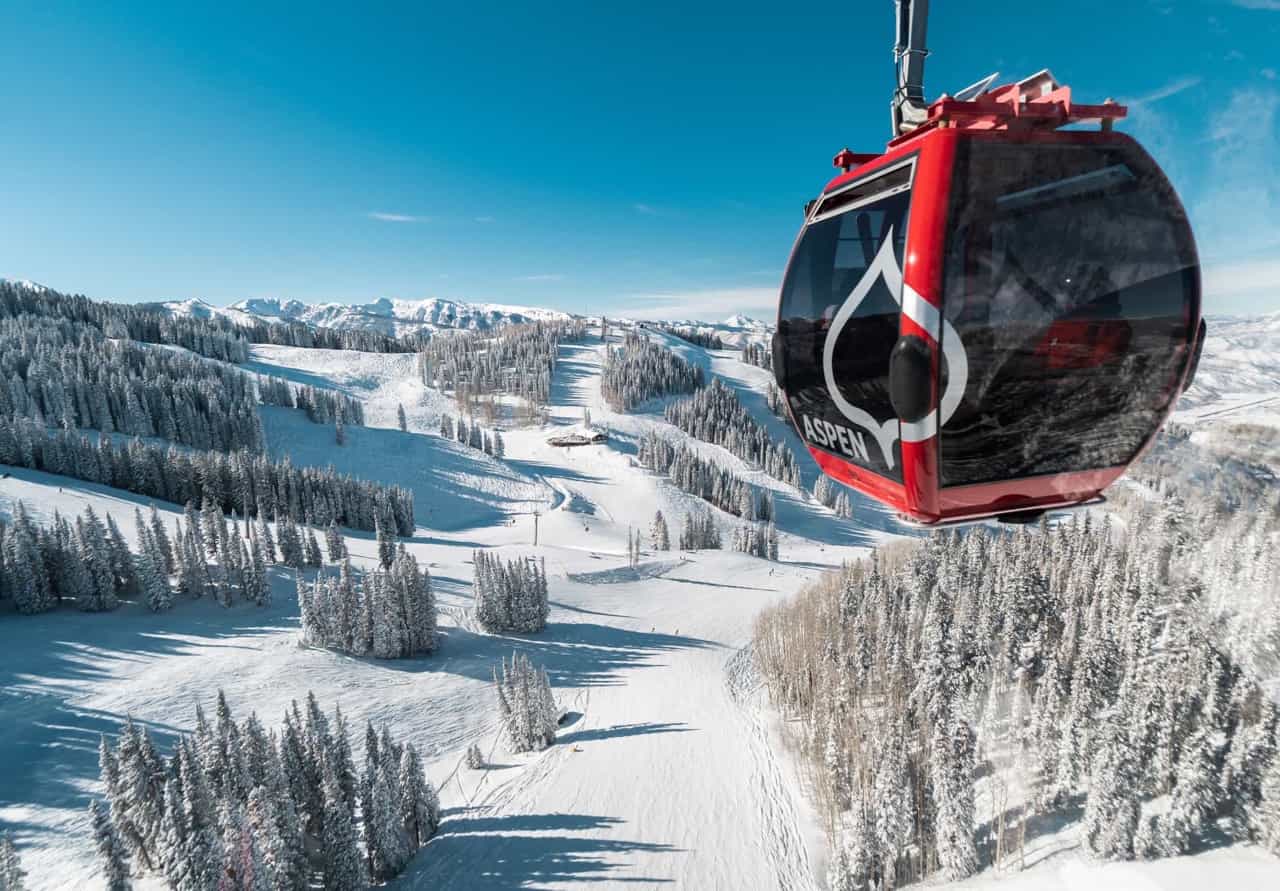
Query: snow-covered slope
667, 773
643, 658
1239, 374
386, 316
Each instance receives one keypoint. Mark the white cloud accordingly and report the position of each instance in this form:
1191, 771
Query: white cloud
1172, 88
395, 217
1244, 286
710, 304
1268, 73
484, 219
1272, 5
541, 277
646, 209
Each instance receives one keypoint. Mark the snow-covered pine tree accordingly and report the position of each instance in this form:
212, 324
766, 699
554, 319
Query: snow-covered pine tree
659, 535
342, 867
260, 591
1267, 817
475, 758
386, 543
12, 876
312, 554
1111, 812
153, 581
161, 539
526, 705
401, 421
112, 856
334, 542
390, 848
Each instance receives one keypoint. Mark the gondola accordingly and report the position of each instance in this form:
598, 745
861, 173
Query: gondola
994, 316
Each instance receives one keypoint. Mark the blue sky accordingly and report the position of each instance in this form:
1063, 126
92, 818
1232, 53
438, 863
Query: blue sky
646, 158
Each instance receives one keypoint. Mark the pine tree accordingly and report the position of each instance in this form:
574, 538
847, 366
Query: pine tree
1111, 811
12, 875
401, 421
1268, 816
111, 850
333, 541
419, 804
261, 589
341, 862
659, 536
202, 858
312, 551
386, 543
390, 848
475, 758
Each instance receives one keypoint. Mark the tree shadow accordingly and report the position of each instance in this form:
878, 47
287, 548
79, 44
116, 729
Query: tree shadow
575, 654
530, 467
716, 584
1043, 839
620, 730
620, 574
50, 751
524, 851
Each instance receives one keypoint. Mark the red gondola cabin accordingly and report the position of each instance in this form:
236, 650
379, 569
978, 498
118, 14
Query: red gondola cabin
996, 315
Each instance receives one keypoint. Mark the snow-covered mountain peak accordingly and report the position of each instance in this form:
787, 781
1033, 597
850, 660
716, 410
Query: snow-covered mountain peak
740, 321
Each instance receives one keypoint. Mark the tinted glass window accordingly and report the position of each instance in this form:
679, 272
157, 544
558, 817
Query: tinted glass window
834, 257
1070, 280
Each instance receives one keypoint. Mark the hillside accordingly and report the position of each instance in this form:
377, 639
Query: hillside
670, 767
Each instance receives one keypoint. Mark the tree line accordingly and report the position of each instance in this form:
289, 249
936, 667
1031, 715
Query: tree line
481, 366
215, 339
640, 370
758, 354
704, 478
69, 375
757, 539
716, 415
89, 565
829, 493
390, 614
320, 405
700, 531
249, 484
316, 337
488, 441
951, 690
708, 340
235, 806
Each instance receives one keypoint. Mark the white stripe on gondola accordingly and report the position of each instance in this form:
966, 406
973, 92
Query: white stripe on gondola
927, 317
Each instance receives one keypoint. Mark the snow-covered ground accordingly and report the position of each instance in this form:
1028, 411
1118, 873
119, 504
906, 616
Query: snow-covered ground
664, 775
1238, 380
669, 770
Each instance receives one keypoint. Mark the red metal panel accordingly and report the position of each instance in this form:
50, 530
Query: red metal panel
1025, 494
866, 482
922, 271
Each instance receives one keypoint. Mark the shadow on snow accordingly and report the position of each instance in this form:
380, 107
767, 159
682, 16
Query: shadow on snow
519, 851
